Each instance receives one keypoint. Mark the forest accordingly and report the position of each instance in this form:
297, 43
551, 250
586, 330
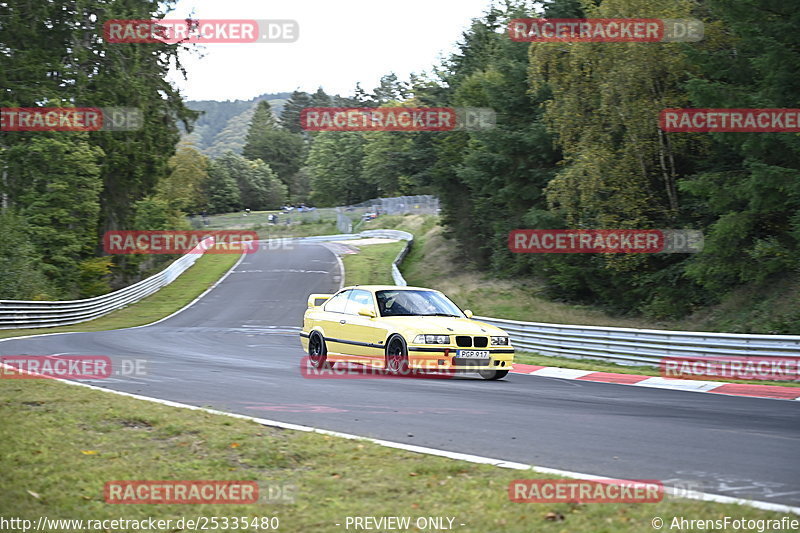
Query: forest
577, 144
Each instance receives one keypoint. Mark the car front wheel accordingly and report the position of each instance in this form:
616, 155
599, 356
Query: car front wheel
397, 357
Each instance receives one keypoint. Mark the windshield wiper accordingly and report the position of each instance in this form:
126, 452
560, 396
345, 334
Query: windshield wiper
441, 314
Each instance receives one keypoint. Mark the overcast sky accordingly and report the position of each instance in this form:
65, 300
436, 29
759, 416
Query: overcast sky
341, 42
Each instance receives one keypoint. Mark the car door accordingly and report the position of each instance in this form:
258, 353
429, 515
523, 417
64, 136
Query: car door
365, 334
332, 322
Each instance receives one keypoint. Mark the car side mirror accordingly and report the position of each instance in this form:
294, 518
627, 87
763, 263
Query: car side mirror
468, 313
367, 311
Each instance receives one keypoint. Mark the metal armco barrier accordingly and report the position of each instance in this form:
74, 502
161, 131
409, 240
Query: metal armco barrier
34, 314
640, 346
631, 346
374, 234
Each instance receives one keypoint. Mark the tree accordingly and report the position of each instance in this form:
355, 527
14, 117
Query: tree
335, 164
386, 162
21, 277
258, 186
747, 189
59, 188
320, 99
72, 187
282, 150
390, 89
221, 190
182, 188
621, 170
290, 116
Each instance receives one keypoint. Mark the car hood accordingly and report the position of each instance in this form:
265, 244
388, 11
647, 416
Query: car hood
443, 325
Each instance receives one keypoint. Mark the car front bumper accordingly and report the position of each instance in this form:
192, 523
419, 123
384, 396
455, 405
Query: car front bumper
448, 358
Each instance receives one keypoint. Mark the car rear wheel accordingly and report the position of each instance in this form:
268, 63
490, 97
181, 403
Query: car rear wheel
493, 374
317, 352
397, 357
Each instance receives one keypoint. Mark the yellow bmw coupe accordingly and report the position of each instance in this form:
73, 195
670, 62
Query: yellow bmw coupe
401, 328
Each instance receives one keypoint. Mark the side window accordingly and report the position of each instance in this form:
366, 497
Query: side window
357, 300
338, 302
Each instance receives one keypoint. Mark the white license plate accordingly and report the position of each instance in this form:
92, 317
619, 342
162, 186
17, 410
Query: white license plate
473, 354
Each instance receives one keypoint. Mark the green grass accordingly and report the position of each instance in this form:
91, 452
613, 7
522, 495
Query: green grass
61, 443
188, 286
372, 265
238, 221
319, 222
306, 229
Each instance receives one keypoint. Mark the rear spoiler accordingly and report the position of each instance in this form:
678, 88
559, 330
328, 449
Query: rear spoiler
315, 300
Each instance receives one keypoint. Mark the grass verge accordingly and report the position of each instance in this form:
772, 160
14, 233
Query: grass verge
305, 229
188, 286
61, 443
292, 224
372, 264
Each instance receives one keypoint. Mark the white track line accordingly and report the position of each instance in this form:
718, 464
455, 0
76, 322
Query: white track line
682, 493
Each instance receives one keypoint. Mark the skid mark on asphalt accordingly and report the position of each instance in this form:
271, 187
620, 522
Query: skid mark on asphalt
739, 487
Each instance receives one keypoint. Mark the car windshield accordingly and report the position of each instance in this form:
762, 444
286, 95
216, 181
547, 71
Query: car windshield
415, 303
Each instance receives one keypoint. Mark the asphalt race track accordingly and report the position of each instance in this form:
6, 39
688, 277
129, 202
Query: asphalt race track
237, 350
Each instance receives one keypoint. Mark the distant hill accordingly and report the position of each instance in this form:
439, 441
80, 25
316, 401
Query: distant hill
223, 125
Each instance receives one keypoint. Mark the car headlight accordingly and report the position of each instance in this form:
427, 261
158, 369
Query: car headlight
432, 339
499, 341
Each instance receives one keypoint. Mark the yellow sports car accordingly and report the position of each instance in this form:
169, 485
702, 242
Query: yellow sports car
402, 328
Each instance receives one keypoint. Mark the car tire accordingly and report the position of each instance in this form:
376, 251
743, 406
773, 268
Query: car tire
397, 357
317, 351
493, 374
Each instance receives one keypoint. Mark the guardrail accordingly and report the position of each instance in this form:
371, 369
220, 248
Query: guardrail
41, 314
640, 346
375, 234
628, 345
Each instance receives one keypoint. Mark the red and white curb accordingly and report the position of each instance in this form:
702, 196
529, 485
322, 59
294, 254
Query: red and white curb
774, 392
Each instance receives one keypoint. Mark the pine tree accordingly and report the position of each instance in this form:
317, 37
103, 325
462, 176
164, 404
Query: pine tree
290, 116
282, 150
320, 99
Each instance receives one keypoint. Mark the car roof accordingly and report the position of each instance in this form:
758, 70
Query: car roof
374, 288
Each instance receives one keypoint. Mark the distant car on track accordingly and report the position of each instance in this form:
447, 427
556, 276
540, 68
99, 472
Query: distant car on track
402, 328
